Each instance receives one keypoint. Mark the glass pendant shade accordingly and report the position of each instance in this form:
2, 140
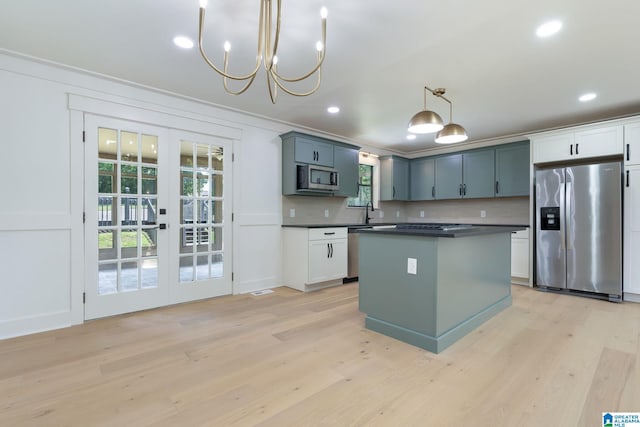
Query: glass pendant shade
425, 122
451, 134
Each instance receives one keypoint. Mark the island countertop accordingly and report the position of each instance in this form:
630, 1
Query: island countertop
443, 230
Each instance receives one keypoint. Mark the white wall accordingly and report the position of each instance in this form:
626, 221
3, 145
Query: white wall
41, 253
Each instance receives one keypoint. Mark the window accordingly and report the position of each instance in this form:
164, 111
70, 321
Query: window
365, 187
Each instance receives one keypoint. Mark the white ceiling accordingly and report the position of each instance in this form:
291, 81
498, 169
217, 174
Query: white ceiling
501, 78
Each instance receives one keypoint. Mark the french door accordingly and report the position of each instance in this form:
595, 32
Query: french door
158, 221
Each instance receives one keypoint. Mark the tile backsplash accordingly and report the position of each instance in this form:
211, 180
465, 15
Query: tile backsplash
334, 210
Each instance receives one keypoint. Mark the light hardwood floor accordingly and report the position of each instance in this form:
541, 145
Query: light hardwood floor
293, 359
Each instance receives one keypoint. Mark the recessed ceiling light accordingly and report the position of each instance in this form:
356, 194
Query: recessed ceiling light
548, 28
183, 42
411, 137
333, 110
587, 97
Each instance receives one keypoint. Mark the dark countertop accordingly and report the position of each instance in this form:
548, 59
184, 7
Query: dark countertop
337, 225
459, 230
360, 226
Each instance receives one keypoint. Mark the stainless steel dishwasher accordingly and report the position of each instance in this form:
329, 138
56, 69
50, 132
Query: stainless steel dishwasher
352, 257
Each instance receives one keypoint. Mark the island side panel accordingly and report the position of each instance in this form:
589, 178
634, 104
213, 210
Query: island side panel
406, 303
474, 275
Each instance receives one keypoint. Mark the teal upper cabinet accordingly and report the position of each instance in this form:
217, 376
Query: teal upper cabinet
300, 149
394, 178
313, 151
478, 173
449, 176
465, 175
346, 163
423, 179
512, 170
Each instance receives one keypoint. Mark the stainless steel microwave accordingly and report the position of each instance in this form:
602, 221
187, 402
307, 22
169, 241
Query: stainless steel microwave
312, 177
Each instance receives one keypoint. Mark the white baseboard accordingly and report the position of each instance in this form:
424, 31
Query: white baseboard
247, 286
31, 325
631, 297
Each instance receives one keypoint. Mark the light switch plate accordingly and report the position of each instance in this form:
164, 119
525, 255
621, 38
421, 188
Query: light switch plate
397, 214
483, 213
292, 213
381, 214
326, 213
412, 266
421, 214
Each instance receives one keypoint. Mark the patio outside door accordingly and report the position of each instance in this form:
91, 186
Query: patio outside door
158, 216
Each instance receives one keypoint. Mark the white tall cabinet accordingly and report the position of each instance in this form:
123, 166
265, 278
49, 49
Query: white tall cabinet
631, 239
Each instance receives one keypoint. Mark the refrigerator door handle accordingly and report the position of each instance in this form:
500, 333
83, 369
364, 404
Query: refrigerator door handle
568, 215
563, 219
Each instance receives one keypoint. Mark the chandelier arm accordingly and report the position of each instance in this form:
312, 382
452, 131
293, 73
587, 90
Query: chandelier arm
291, 92
239, 92
273, 91
273, 50
212, 65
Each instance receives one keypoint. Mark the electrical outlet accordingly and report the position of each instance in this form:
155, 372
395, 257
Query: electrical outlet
483, 214
292, 213
381, 214
412, 266
421, 214
326, 213
397, 214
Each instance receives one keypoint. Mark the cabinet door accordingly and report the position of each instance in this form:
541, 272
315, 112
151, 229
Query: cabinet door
520, 257
423, 179
632, 230
606, 141
346, 163
512, 170
313, 152
552, 148
327, 260
449, 177
394, 178
632, 144
478, 175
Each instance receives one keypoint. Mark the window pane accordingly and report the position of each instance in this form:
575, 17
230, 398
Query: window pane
129, 146
215, 235
202, 156
129, 210
187, 183
148, 242
107, 211
202, 267
106, 245
150, 273
216, 186
129, 243
186, 269
217, 269
149, 211
216, 158
107, 278
107, 143
150, 149
186, 153
129, 276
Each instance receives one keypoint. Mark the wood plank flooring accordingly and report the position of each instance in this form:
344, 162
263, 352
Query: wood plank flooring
293, 359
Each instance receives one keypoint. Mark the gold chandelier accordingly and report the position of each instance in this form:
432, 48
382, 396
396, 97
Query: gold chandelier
427, 121
267, 54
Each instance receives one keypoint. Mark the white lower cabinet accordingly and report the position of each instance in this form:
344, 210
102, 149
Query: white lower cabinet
314, 258
520, 256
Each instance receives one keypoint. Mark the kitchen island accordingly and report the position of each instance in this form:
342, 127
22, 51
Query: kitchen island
429, 285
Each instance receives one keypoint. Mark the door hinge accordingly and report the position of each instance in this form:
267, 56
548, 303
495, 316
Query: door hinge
84, 217
232, 217
233, 157
84, 297
83, 136
232, 276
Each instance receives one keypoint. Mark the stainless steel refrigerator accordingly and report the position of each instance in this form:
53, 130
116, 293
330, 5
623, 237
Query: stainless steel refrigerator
579, 228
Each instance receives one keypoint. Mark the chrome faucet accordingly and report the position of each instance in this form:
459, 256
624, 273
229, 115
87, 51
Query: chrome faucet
366, 212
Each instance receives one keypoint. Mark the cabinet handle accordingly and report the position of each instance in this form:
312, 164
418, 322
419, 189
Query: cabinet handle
331, 252
577, 149
330, 234
328, 251
394, 192
460, 190
464, 189
571, 150
627, 178
497, 187
433, 191
627, 152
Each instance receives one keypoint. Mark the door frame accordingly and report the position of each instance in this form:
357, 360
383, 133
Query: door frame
155, 114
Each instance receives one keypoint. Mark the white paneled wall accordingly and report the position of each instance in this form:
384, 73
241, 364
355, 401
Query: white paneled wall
41, 189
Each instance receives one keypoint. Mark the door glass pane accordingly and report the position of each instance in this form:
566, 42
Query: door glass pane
149, 275
129, 146
107, 211
186, 269
129, 276
107, 143
107, 278
201, 205
106, 245
150, 149
127, 238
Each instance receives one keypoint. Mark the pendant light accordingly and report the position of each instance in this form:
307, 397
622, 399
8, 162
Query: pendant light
427, 121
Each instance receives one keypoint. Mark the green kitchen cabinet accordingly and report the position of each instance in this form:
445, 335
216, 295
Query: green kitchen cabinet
448, 177
423, 179
309, 149
394, 178
345, 161
478, 173
465, 175
512, 170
